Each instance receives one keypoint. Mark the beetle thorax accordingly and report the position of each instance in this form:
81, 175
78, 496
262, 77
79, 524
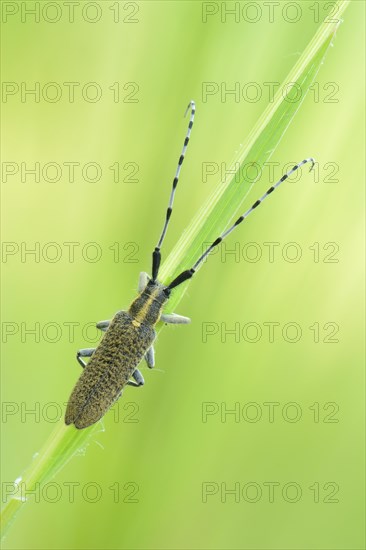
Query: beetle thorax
148, 306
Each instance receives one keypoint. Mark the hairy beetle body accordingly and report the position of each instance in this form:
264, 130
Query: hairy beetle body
125, 343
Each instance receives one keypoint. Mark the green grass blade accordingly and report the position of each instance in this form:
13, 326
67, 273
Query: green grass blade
212, 218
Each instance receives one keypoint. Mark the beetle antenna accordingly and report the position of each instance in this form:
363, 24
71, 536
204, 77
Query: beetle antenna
156, 254
185, 275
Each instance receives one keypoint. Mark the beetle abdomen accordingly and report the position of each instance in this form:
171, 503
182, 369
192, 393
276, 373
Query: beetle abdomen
110, 367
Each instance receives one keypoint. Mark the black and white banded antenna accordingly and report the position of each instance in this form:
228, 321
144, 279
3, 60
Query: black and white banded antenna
156, 254
185, 275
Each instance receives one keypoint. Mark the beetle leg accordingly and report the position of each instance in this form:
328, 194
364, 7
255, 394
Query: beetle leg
174, 319
143, 280
86, 352
150, 357
138, 379
103, 325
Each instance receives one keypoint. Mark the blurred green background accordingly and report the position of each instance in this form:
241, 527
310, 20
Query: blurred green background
162, 450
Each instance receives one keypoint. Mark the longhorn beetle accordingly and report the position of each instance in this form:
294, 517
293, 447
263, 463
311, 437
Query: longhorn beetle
129, 336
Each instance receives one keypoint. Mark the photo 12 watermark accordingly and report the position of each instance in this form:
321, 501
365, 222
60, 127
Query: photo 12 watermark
52, 412
69, 92
72, 492
69, 171
268, 12
291, 252
52, 252
270, 332
269, 412
253, 492
70, 11
271, 171
254, 92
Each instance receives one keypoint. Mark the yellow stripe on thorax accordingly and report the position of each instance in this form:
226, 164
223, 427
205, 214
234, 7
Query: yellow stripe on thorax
141, 315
